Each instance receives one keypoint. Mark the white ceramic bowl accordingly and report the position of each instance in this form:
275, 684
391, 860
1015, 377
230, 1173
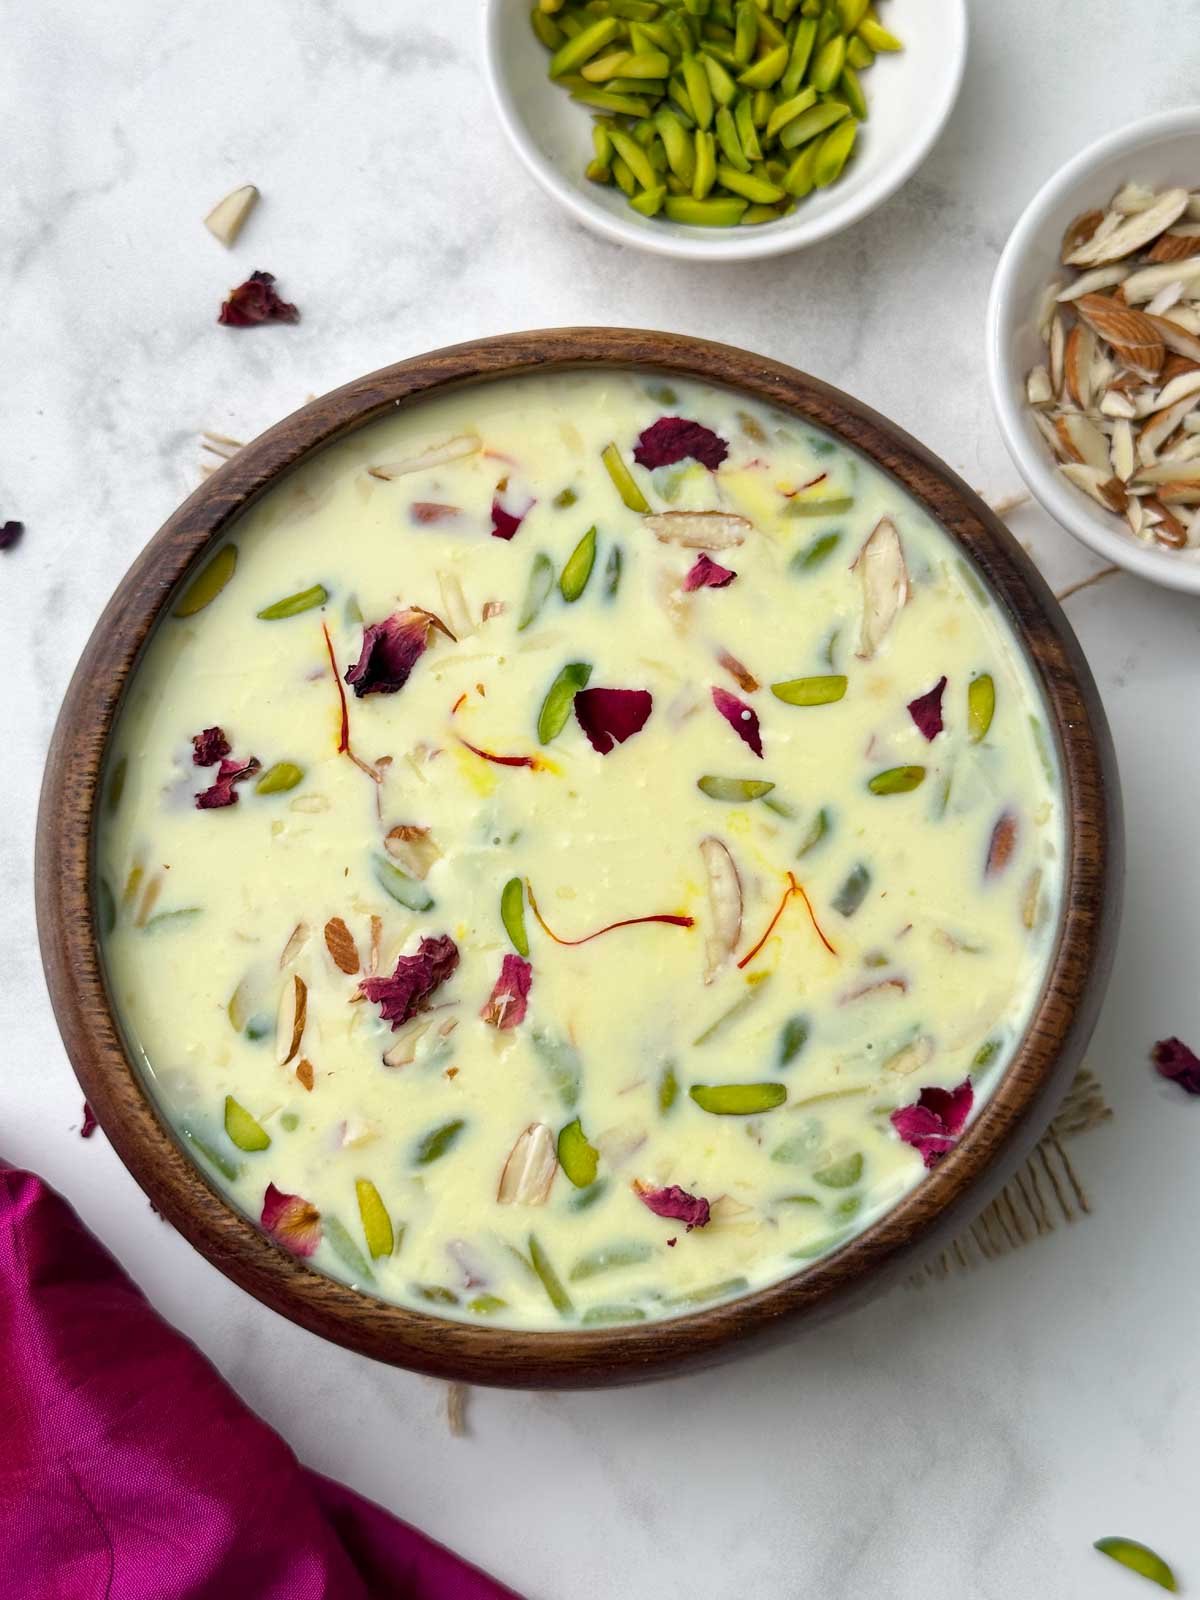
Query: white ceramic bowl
1161, 152
910, 96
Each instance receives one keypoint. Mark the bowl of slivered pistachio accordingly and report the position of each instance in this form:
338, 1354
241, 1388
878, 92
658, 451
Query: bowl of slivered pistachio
1094, 348
719, 130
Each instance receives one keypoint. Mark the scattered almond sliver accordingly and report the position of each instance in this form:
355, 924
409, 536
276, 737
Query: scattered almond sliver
1117, 395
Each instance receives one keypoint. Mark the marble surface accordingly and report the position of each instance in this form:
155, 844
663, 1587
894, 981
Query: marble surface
969, 1440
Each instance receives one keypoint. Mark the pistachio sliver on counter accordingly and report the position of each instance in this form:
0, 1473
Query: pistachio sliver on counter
207, 584
244, 1130
821, 691
1138, 1558
293, 604
550, 1280
512, 914
738, 1099
576, 1156
403, 889
560, 697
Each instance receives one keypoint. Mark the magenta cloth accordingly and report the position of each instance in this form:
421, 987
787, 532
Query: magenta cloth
129, 1470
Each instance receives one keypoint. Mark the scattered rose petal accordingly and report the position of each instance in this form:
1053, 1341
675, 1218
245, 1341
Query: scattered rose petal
90, 1124
292, 1222
610, 716
740, 718
505, 522
926, 710
221, 792
416, 977
427, 511
675, 1203
509, 999
10, 532
708, 574
1175, 1061
672, 439
209, 747
256, 301
390, 650
933, 1124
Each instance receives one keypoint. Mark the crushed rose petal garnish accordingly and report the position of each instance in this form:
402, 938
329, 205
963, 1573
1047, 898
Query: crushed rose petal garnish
505, 522
610, 716
89, 1122
209, 747
10, 532
391, 649
706, 573
221, 791
509, 999
1175, 1061
672, 439
740, 718
292, 1222
926, 710
675, 1203
933, 1124
410, 986
256, 301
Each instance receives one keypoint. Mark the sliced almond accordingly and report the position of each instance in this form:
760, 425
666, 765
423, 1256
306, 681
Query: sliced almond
529, 1171
699, 530
1123, 459
1048, 432
435, 455
1132, 198
1132, 335
1175, 337
740, 673
1046, 307
1079, 232
413, 848
1092, 282
1133, 233
1038, 389
293, 1012
724, 927
228, 217
1058, 340
1183, 384
1158, 428
881, 567
1135, 516
305, 1076
297, 939
1082, 440
1101, 486
1170, 471
403, 1049
1180, 492
1165, 299
1078, 356
1116, 403
1144, 285
454, 604
910, 1057
1168, 530
343, 951
1177, 244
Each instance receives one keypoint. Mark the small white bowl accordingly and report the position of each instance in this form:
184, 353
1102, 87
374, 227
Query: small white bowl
910, 96
1161, 152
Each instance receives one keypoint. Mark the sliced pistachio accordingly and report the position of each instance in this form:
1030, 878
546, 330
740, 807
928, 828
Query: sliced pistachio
814, 554
981, 706
106, 906
736, 1010
243, 1129
733, 789
564, 1064
407, 891
711, 1291
565, 498
607, 1258
560, 697
162, 921
284, 775
484, 1305
512, 914
586, 1198
986, 1053
830, 506
289, 1121
853, 891
818, 829
841, 1174
293, 604
435, 1294
1138, 1558
602, 1316
668, 1088
578, 568
437, 1142
822, 691
623, 480
897, 780
537, 590
227, 1169
578, 1159
738, 1099
551, 1282
792, 1038
207, 584
344, 1247
819, 1247
612, 572
116, 785
376, 1224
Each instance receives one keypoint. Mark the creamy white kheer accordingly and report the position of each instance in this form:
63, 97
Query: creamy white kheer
580, 850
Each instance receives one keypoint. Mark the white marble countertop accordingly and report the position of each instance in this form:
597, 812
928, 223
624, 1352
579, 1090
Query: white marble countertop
971, 1440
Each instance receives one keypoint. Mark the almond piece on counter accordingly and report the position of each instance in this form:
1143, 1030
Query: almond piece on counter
228, 217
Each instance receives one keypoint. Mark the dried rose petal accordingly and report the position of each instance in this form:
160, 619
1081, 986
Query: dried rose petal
675, 1203
427, 511
1175, 1061
926, 710
256, 301
209, 747
292, 1222
708, 574
610, 716
933, 1124
89, 1122
740, 718
221, 792
407, 991
10, 532
505, 522
672, 439
390, 650
509, 999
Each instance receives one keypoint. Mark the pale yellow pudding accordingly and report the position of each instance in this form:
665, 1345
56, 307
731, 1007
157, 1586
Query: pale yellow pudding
547, 885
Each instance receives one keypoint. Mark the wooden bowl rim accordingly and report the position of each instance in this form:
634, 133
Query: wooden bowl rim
1012, 1119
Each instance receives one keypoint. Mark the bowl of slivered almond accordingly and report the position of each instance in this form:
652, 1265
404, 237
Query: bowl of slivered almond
1094, 348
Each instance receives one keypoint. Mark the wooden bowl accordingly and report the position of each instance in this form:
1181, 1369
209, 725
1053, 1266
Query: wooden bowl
949, 1197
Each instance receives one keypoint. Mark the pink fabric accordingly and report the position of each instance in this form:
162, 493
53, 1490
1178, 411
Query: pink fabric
129, 1470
